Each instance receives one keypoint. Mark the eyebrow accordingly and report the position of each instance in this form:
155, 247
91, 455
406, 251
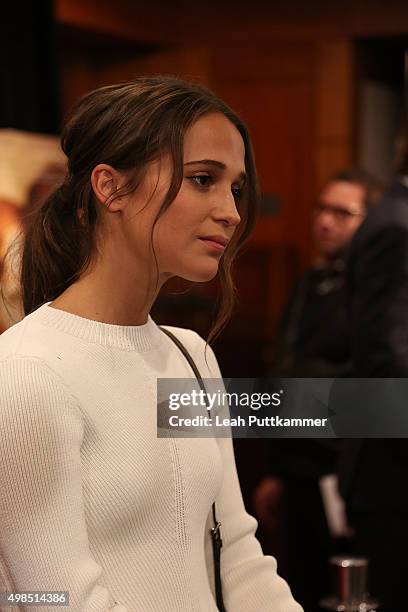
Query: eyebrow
216, 164
342, 205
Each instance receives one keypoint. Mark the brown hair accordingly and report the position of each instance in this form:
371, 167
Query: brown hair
373, 187
126, 126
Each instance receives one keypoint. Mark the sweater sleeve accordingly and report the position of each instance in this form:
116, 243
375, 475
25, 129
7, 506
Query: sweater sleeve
43, 532
249, 578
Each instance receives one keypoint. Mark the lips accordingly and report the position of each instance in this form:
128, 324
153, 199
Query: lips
221, 240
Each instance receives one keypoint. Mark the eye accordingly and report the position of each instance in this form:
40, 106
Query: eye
237, 192
202, 180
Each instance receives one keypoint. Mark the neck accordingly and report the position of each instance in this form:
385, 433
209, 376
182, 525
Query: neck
110, 295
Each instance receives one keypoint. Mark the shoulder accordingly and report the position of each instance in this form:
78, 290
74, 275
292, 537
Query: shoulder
188, 337
200, 351
31, 376
385, 228
390, 213
29, 382
35, 397
31, 338
27, 337
11, 338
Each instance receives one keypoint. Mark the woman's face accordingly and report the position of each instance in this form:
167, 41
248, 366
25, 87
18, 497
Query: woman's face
188, 235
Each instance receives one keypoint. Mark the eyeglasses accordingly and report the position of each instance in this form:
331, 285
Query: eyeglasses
339, 213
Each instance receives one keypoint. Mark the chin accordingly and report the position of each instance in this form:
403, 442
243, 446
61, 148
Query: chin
327, 247
331, 252
201, 276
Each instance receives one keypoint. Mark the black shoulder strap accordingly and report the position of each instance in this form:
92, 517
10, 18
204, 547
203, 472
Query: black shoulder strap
214, 531
188, 357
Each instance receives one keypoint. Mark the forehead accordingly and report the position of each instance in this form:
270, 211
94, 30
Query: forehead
213, 136
342, 192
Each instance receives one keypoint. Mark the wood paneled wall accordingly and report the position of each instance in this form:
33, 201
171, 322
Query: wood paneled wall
335, 107
288, 69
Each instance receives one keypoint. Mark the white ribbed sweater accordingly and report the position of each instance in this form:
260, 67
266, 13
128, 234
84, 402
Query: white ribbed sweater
91, 501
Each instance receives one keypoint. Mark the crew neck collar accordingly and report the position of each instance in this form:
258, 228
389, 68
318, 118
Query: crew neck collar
129, 337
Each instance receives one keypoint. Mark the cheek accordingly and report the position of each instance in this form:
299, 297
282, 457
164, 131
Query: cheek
170, 239
178, 224
351, 230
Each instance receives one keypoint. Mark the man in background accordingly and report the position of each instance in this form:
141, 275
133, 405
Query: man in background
374, 472
313, 338
314, 341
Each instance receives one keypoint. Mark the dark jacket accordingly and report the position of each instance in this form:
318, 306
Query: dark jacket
374, 472
313, 335
313, 341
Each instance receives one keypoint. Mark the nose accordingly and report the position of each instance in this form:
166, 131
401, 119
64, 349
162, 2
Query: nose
226, 212
325, 219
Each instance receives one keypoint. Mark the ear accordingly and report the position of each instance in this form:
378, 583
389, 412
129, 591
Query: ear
106, 181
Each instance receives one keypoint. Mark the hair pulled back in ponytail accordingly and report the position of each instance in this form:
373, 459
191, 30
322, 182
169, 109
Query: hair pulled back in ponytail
126, 126
57, 247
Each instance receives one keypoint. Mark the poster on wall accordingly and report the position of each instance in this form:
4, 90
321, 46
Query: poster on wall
31, 166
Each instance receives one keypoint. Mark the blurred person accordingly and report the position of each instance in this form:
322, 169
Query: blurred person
161, 183
313, 338
13, 220
10, 228
296, 501
374, 472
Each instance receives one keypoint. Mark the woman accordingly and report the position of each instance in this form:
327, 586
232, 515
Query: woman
92, 502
